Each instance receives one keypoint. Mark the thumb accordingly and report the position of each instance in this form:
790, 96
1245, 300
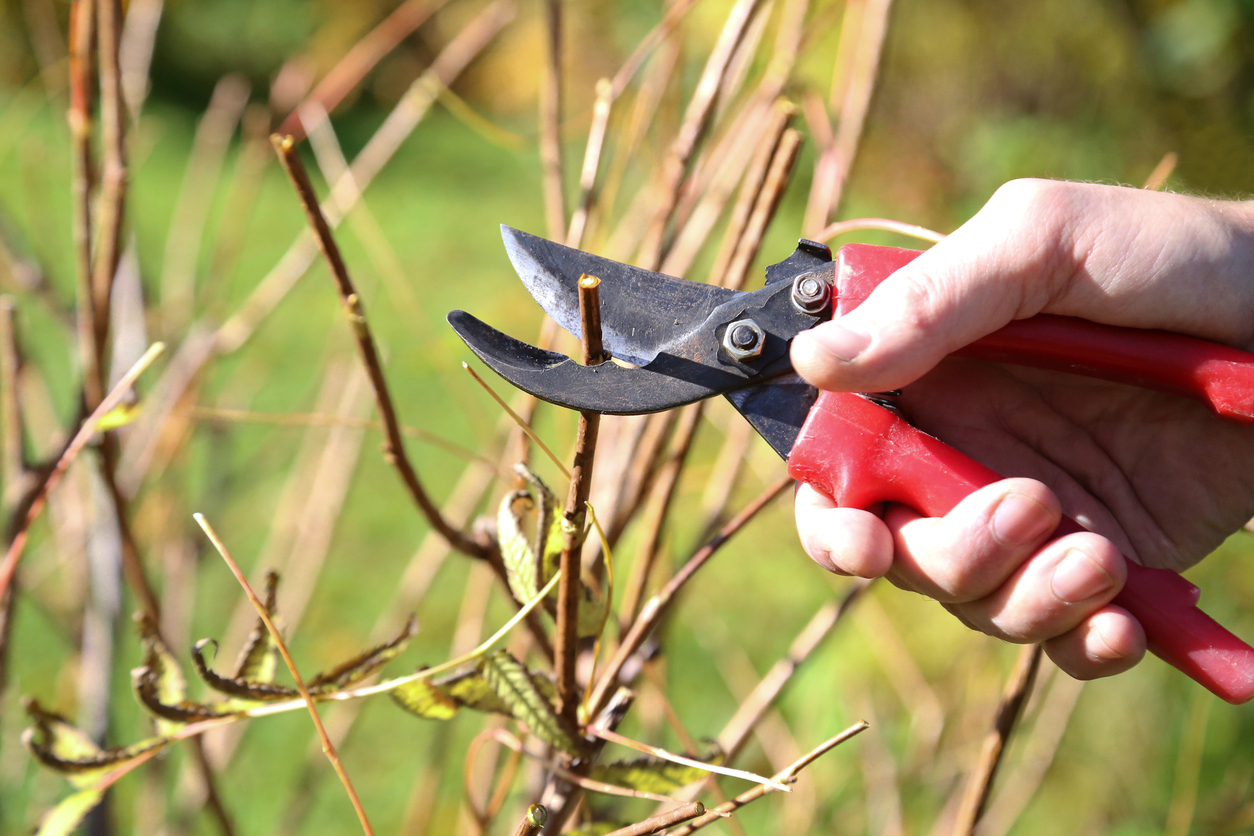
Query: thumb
999, 266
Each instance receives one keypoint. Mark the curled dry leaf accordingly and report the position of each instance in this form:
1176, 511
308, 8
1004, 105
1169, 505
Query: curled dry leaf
363, 665
160, 687
64, 819
239, 688
258, 660
63, 747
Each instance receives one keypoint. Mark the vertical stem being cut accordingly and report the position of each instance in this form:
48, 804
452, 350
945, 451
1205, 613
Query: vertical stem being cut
82, 36
576, 510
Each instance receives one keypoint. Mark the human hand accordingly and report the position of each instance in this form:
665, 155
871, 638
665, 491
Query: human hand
1156, 477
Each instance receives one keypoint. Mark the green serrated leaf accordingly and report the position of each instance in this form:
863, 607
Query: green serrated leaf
258, 662
239, 689
64, 748
470, 690
514, 684
361, 666
64, 819
653, 775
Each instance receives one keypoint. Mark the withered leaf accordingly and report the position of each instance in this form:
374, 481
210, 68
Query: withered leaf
63, 747
64, 819
423, 698
516, 553
653, 775
236, 687
361, 666
159, 681
515, 685
257, 662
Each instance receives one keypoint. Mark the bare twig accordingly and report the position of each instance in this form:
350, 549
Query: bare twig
574, 516
12, 431
1014, 697
85, 431
787, 776
113, 185
591, 163
753, 707
517, 419
841, 227
662, 821
551, 123
361, 59
82, 36
615, 737
327, 746
657, 606
763, 209
857, 65
695, 124
1157, 179
393, 444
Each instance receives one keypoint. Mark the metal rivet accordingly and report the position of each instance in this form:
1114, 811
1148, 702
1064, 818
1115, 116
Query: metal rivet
744, 339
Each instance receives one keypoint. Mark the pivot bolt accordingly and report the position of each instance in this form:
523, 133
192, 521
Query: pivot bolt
744, 339
810, 293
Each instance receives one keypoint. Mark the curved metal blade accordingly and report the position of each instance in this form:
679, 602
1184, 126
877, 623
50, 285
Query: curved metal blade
776, 408
642, 312
608, 388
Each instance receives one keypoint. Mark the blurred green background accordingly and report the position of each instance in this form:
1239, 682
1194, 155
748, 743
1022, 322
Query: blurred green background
971, 94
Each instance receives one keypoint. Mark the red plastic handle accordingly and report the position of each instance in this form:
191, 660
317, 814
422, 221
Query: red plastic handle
1218, 376
861, 454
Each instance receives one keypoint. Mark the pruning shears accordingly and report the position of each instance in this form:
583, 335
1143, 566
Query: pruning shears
677, 342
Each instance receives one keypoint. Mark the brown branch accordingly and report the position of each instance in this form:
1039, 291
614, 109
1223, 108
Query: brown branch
1157, 179
1013, 698
551, 124
662, 821
12, 430
857, 69
393, 443
841, 227
327, 746
573, 518
658, 605
763, 210
84, 433
754, 707
82, 37
360, 60
113, 184
693, 129
591, 163
787, 775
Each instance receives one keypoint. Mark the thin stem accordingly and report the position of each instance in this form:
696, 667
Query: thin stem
1013, 699
518, 419
591, 163
615, 737
85, 431
772, 192
662, 821
551, 123
841, 227
1157, 179
787, 775
393, 443
327, 746
113, 185
82, 35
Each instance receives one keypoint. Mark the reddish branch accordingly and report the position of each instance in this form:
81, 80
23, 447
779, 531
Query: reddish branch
393, 441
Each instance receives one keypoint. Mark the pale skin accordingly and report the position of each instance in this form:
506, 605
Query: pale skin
1155, 477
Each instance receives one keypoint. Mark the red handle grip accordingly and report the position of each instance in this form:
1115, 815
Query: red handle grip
861, 454
1218, 376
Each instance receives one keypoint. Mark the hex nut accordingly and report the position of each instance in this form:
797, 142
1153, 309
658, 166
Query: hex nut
744, 339
810, 293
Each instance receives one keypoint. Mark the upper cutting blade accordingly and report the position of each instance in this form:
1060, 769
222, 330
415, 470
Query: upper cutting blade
642, 312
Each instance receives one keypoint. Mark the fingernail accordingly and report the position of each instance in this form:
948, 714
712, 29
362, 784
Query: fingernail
841, 341
1019, 520
1078, 578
